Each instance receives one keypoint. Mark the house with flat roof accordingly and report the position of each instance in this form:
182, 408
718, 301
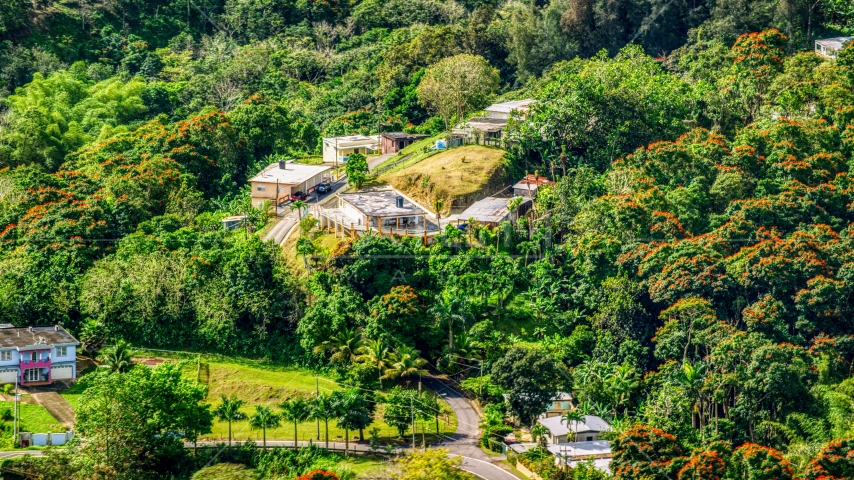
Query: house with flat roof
339, 149
491, 211
278, 181
384, 212
393, 142
504, 110
571, 454
587, 430
829, 47
37, 355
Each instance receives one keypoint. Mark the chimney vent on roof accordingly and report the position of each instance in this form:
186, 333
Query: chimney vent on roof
30, 329
398, 201
283, 165
56, 328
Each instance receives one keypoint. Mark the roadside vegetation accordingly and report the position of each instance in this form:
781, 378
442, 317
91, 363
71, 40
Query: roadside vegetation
687, 278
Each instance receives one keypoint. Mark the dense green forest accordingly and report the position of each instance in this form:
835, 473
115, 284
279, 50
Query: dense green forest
689, 276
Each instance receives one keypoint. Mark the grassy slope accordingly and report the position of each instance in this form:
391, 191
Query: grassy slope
414, 147
34, 418
270, 385
457, 175
259, 383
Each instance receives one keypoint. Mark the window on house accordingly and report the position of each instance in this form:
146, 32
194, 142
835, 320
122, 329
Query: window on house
34, 357
6, 355
261, 188
589, 439
61, 351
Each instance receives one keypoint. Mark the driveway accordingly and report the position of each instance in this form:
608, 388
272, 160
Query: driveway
279, 232
465, 441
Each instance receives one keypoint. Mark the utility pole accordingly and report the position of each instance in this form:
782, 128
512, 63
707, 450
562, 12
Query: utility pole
412, 409
480, 381
317, 394
15, 415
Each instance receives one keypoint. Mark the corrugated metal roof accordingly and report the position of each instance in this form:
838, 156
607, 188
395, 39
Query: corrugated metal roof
487, 210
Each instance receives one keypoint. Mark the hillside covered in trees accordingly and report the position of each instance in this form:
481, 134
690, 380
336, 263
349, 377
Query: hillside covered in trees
689, 277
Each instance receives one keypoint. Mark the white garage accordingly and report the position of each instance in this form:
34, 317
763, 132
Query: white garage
8, 376
61, 372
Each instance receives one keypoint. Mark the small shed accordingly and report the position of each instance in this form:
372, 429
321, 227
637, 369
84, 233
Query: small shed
232, 222
528, 186
829, 47
393, 142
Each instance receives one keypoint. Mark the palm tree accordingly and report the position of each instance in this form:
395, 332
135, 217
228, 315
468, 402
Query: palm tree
264, 418
377, 354
540, 431
299, 206
407, 364
296, 410
117, 357
447, 311
572, 417
229, 411
325, 407
345, 345
693, 380
438, 204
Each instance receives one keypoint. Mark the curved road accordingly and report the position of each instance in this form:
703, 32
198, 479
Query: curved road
464, 442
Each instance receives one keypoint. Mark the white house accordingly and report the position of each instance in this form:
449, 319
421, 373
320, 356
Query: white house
37, 354
343, 147
571, 454
587, 430
828, 47
504, 110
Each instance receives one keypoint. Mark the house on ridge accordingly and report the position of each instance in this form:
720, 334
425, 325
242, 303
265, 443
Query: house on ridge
339, 149
37, 355
279, 180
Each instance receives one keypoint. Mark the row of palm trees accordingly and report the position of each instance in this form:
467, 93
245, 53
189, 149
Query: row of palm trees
348, 408
349, 346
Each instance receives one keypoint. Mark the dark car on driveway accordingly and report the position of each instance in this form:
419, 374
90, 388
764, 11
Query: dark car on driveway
298, 196
324, 187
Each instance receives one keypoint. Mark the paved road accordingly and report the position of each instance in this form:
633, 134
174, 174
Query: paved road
464, 442
376, 161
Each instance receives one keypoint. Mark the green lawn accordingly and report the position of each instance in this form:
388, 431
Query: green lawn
34, 418
258, 383
365, 467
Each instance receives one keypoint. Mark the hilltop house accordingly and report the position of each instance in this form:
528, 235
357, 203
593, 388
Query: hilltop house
384, 212
278, 181
490, 127
393, 142
829, 47
561, 431
339, 149
37, 355
504, 110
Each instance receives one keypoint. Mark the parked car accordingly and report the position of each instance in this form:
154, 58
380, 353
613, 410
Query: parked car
324, 187
298, 196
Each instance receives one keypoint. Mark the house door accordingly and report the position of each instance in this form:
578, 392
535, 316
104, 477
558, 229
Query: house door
32, 375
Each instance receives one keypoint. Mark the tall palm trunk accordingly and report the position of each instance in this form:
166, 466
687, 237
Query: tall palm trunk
326, 426
264, 436
295, 435
229, 433
346, 441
